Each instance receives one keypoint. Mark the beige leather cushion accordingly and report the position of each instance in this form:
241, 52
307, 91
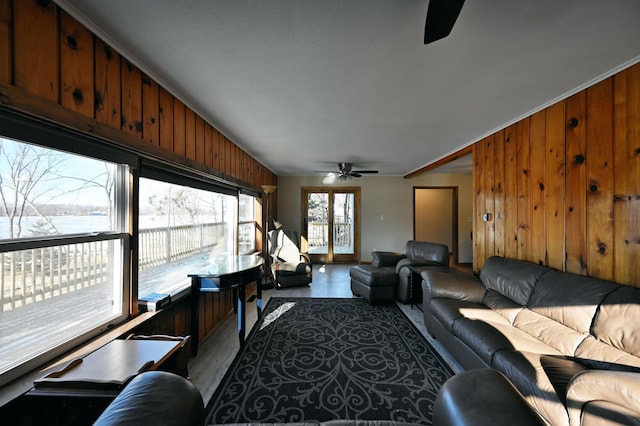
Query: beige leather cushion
597, 385
616, 322
569, 299
553, 333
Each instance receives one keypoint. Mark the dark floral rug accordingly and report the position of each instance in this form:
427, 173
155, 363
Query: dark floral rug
313, 359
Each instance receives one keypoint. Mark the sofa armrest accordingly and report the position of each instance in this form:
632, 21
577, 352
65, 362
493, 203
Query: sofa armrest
453, 285
481, 397
155, 397
385, 258
616, 388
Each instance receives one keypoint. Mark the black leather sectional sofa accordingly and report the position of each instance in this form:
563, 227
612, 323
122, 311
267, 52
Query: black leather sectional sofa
570, 344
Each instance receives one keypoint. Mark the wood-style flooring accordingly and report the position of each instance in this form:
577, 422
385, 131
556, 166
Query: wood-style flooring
216, 351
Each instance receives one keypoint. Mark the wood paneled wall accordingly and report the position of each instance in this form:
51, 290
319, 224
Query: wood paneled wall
562, 187
52, 67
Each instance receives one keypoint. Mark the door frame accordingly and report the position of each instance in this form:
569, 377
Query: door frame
454, 231
330, 256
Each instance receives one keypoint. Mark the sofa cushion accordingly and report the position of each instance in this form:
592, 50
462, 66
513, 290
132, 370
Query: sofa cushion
569, 299
512, 278
552, 333
612, 323
596, 385
502, 305
525, 371
293, 268
605, 413
447, 311
593, 350
492, 334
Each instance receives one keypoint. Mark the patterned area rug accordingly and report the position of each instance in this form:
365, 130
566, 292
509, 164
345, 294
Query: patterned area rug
313, 359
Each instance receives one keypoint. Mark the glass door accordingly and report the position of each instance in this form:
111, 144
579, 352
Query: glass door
330, 225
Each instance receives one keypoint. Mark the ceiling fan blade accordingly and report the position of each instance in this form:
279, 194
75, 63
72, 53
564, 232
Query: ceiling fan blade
364, 171
441, 16
355, 174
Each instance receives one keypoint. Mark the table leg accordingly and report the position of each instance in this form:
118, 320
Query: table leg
259, 296
241, 313
235, 296
195, 314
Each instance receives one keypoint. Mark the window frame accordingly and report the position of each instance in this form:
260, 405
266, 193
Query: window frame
26, 130
255, 198
21, 126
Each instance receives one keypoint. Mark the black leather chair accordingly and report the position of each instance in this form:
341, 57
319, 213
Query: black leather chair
289, 266
155, 398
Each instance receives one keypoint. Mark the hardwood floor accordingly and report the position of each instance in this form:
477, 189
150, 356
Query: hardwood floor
217, 351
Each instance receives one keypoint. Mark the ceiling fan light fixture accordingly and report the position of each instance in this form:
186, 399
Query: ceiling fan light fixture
345, 172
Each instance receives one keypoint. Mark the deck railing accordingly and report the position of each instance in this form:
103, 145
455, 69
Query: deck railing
159, 246
32, 275
318, 234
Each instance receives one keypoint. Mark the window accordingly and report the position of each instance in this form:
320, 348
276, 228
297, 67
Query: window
62, 249
180, 227
246, 224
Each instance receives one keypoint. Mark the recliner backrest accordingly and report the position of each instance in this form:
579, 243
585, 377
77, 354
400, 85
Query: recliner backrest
284, 245
434, 252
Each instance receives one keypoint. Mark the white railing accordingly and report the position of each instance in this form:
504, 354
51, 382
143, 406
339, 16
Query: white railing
318, 234
32, 275
159, 246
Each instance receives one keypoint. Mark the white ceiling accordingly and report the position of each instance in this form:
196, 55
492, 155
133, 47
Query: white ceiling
304, 84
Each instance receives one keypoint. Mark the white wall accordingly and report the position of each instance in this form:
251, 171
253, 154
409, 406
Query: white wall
387, 208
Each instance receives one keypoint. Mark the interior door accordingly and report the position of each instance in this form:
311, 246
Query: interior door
331, 224
435, 216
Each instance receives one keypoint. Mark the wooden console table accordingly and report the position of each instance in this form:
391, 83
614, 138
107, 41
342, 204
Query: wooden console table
224, 273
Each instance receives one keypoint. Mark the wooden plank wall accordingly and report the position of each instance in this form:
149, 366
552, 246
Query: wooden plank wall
53, 63
562, 186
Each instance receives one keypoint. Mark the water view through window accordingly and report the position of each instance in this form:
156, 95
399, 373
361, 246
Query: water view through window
180, 228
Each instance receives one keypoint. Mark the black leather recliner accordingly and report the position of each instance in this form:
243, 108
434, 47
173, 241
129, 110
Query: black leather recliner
289, 266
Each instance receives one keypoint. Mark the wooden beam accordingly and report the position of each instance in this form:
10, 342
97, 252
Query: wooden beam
441, 162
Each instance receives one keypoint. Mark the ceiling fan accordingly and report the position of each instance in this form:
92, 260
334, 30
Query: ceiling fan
345, 172
441, 16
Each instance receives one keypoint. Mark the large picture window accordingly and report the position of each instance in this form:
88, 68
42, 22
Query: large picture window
180, 227
62, 251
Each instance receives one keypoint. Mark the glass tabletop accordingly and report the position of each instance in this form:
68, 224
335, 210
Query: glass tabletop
218, 266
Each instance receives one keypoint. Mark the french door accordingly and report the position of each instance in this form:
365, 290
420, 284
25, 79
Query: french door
331, 224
